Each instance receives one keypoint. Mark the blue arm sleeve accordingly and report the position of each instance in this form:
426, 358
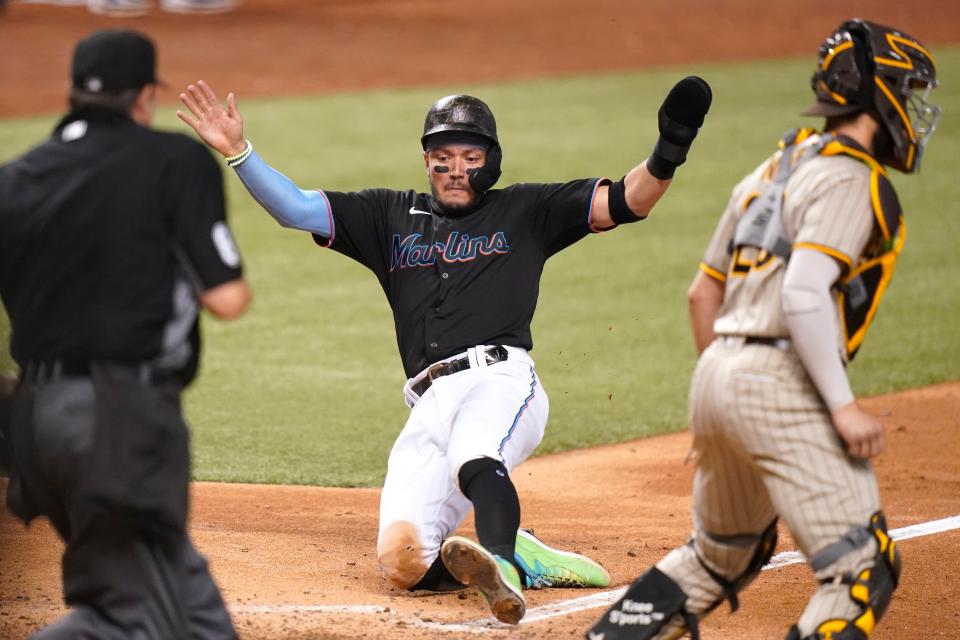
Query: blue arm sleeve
291, 206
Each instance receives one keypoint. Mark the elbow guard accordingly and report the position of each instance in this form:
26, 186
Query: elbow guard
620, 211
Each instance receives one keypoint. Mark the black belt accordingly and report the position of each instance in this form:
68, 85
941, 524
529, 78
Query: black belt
47, 371
777, 343
493, 355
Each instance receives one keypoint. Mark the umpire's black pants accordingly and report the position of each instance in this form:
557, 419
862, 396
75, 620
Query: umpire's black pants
105, 457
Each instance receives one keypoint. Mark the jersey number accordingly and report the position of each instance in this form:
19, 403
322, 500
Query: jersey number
742, 266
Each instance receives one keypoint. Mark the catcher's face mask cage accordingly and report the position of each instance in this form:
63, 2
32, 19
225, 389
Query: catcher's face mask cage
461, 113
865, 65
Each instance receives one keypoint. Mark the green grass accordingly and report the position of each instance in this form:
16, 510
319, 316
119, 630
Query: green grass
306, 388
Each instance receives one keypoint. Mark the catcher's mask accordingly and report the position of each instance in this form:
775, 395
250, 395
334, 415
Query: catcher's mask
466, 118
864, 66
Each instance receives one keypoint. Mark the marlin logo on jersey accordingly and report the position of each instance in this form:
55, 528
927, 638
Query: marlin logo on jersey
411, 252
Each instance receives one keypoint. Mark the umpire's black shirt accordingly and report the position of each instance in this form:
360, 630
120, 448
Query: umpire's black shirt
457, 282
108, 232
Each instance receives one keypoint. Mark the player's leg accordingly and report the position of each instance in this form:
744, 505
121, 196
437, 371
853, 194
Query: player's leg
420, 505
831, 505
734, 527
500, 422
827, 500
499, 419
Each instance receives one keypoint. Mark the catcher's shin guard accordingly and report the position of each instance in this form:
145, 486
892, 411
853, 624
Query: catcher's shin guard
870, 588
653, 607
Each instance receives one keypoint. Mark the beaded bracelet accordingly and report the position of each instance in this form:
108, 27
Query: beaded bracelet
237, 160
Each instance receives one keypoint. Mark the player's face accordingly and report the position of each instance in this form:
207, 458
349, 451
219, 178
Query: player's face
447, 168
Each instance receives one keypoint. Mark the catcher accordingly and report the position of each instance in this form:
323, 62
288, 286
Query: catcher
786, 291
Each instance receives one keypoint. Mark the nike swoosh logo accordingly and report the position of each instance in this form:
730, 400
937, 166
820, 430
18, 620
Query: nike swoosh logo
414, 210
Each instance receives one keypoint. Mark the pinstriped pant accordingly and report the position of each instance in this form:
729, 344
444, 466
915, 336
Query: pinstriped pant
766, 447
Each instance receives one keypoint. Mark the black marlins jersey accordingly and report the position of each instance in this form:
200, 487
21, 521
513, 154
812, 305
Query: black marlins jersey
457, 282
108, 233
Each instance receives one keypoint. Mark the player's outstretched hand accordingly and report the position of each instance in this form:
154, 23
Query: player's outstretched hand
219, 127
680, 117
862, 433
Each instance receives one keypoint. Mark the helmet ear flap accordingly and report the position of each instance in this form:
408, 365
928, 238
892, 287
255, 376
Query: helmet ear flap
483, 178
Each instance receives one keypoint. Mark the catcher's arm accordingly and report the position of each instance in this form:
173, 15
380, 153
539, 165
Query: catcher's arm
222, 129
704, 299
811, 317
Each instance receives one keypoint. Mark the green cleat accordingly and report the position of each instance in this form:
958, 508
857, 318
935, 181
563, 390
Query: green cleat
546, 567
495, 577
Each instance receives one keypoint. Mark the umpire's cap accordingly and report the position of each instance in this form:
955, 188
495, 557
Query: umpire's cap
114, 60
461, 114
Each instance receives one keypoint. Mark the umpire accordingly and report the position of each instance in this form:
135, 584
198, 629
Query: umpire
112, 236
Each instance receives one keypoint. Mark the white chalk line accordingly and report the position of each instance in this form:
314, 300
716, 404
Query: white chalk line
307, 608
574, 605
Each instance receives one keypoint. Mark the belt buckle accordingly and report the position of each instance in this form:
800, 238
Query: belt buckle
435, 371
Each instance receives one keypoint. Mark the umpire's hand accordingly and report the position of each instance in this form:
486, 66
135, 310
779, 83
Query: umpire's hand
220, 128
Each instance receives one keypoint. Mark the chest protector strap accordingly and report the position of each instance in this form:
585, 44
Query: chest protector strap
761, 226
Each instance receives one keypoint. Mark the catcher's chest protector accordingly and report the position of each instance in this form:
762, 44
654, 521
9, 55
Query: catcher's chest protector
761, 226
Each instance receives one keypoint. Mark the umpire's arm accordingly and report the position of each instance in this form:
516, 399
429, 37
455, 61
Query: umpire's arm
227, 301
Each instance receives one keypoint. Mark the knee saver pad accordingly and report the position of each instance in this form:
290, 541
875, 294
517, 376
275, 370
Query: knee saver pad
649, 606
400, 555
848, 633
871, 588
761, 555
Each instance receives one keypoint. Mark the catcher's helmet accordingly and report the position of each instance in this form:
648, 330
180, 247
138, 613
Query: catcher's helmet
460, 113
865, 66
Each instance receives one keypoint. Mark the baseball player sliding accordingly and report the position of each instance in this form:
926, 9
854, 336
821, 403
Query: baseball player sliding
786, 291
461, 269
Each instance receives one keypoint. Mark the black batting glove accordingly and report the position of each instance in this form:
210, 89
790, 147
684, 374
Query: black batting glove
680, 117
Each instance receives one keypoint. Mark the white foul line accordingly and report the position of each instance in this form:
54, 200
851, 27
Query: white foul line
307, 608
607, 598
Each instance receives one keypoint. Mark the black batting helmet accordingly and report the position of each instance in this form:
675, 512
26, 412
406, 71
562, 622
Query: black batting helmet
471, 118
864, 66
460, 113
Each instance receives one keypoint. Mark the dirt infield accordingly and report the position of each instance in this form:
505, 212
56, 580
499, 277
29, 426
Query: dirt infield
271, 47
298, 562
